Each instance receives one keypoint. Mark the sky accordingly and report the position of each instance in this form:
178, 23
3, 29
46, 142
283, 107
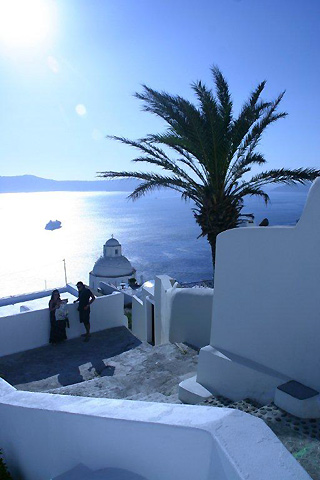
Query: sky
69, 69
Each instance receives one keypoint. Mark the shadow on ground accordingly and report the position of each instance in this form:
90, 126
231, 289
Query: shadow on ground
70, 362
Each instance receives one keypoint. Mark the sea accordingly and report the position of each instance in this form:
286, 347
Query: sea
158, 235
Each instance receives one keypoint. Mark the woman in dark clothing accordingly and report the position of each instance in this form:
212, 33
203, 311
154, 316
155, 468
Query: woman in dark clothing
58, 327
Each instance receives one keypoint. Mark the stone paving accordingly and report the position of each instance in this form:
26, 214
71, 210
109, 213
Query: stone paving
68, 363
115, 364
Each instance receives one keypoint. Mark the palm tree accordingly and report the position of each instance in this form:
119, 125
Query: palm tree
213, 153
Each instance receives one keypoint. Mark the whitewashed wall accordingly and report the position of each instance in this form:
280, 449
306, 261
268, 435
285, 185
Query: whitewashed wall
31, 329
180, 314
266, 307
43, 436
139, 319
163, 284
190, 315
107, 289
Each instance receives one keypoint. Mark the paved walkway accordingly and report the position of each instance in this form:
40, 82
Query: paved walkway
113, 364
67, 363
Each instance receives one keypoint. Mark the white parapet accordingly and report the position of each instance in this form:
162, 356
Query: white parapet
31, 329
45, 435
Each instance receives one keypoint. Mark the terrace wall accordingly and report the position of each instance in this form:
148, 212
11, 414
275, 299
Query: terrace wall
45, 435
27, 330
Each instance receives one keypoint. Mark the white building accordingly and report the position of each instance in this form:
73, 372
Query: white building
265, 326
111, 267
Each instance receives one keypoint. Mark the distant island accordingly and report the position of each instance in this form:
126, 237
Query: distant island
31, 183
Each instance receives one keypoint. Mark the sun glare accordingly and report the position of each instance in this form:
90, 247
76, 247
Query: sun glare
25, 23
81, 110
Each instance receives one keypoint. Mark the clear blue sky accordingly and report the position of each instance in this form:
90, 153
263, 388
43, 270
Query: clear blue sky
98, 52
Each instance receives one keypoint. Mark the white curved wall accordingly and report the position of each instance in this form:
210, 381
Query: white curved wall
190, 315
267, 296
44, 435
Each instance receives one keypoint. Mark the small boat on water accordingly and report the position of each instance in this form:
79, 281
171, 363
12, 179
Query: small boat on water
53, 225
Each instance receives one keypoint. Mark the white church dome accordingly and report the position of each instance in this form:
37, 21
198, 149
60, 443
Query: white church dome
112, 267
112, 242
112, 264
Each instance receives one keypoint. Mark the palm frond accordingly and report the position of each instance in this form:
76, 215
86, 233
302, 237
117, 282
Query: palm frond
286, 176
214, 126
182, 116
242, 166
282, 175
225, 111
253, 191
145, 147
168, 165
251, 140
153, 181
183, 148
224, 97
250, 113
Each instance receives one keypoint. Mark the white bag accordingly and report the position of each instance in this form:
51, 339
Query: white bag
62, 312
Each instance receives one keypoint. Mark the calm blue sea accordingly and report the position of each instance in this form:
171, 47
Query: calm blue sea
158, 234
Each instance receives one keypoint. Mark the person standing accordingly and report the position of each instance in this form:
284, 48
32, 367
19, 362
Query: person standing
85, 299
57, 326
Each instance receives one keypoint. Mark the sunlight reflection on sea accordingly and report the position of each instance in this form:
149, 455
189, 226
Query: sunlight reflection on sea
158, 234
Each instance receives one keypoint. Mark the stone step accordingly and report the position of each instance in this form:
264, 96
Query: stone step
298, 399
191, 392
143, 373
